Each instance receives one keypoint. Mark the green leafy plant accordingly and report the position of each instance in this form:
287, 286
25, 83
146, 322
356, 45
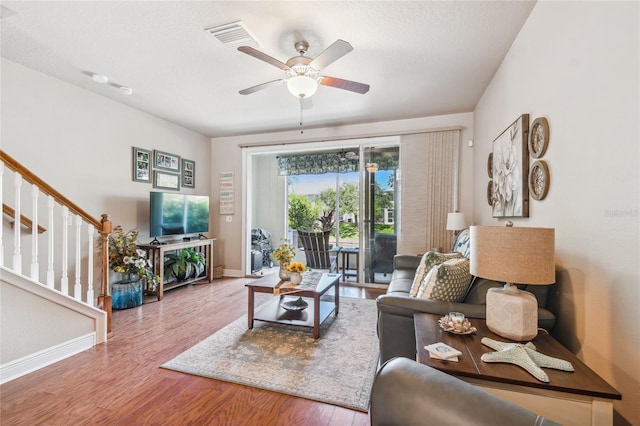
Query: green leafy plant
184, 265
302, 213
126, 258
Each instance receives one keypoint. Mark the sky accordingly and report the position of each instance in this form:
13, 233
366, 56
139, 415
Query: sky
315, 184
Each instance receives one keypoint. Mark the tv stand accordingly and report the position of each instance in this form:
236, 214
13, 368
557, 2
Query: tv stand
156, 253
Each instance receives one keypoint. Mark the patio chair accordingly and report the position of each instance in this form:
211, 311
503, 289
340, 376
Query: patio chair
319, 254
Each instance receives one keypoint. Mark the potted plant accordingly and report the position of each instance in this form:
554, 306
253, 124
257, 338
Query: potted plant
188, 263
127, 259
295, 272
326, 220
284, 254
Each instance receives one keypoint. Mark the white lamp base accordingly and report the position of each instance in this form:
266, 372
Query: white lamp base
512, 313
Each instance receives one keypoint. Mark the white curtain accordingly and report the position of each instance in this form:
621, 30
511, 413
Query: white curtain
428, 164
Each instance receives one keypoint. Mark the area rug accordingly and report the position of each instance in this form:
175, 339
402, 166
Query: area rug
338, 368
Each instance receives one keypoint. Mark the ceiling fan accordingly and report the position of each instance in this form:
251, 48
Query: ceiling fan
303, 73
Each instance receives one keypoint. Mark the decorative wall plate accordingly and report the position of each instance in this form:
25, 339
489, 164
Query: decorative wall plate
539, 137
539, 180
490, 165
490, 192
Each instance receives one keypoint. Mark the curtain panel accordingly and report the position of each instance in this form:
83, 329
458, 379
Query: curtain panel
429, 167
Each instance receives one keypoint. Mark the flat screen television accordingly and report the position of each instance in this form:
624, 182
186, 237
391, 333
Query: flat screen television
177, 214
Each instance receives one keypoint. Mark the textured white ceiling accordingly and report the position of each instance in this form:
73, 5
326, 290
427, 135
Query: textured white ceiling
421, 58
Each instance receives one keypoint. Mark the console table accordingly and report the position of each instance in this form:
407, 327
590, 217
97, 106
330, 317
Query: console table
570, 398
155, 252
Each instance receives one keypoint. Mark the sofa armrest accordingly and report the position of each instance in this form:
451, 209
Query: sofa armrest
406, 261
407, 393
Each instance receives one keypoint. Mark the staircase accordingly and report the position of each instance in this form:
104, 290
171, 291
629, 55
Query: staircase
54, 309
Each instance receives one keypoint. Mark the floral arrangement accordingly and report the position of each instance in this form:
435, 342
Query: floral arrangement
284, 253
297, 267
125, 256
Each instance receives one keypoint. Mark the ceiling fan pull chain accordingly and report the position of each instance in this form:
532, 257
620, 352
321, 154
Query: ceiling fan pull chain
301, 129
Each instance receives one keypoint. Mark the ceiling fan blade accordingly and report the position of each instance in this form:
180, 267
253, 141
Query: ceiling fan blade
306, 103
331, 54
263, 57
262, 86
339, 83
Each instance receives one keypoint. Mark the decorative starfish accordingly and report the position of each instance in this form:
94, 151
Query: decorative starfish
524, 356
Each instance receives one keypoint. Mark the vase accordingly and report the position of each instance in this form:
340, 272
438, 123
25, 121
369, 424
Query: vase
283, 273
295, 278
127, 293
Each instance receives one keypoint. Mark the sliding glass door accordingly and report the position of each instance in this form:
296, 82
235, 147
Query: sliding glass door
379, 203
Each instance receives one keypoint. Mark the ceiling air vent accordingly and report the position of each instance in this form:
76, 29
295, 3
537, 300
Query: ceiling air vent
233, 35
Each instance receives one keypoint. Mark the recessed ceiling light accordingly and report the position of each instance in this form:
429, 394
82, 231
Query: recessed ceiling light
99, 78
125, 90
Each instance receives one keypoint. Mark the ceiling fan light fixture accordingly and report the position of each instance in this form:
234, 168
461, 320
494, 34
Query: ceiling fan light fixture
302, 86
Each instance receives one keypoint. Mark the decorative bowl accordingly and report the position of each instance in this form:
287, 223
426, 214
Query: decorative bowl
448, 325
294, 305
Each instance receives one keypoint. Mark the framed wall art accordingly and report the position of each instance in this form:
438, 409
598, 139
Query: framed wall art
165, 161
188, 173
162, 180
510, 170
225, 182
141, 165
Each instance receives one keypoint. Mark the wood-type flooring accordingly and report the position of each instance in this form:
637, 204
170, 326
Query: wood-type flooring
121, 382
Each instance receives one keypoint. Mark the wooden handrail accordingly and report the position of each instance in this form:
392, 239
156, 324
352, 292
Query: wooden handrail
23, 219
104, 226
27, 175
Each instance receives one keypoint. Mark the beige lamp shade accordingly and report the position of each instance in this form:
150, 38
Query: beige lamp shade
456, 221
513, 254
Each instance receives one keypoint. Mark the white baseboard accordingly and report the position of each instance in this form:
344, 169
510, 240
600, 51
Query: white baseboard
30, 363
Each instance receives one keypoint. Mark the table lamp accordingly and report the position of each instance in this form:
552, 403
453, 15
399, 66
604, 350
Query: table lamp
513, 255
456, 222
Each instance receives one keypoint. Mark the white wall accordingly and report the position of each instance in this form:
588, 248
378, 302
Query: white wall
227, 155
576, 63
81, 143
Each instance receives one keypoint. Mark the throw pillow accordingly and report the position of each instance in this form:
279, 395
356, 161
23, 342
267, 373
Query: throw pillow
429, 259
447, 282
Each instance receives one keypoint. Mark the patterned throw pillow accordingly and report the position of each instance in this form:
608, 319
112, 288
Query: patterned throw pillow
462, 243
429, 259
447, 282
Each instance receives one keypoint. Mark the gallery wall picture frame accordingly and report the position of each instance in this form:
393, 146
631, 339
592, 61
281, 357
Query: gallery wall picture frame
166, 161
226, 187
188, 173
141, 165
163, 180
510, 170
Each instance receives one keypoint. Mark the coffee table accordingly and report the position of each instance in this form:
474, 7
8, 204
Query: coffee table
325, 299
570, 398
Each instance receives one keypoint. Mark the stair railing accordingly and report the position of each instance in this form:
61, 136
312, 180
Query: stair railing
71, 214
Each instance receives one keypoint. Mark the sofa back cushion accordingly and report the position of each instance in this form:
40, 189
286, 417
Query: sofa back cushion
477, 294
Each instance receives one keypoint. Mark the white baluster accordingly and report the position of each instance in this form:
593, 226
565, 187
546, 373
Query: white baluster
17, 257
64, 281
1, 246
35, 268
90, 295
77, 288
50, 244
